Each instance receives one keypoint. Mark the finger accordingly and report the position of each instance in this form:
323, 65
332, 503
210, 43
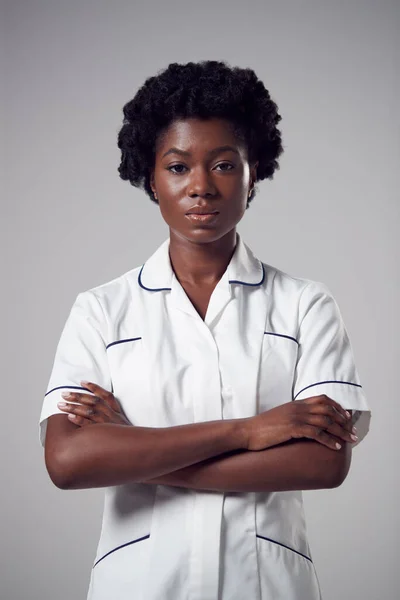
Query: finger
96, 389
344, 433
324, 400
345, 415
101, 407
105, 395
87, 412
330, 411
77, 420
339, 408
82, 398
320, 435
325, 422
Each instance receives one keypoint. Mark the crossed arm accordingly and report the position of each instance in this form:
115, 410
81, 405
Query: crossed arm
293, 465
201, 456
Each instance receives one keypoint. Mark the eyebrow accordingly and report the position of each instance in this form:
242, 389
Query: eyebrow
217, 150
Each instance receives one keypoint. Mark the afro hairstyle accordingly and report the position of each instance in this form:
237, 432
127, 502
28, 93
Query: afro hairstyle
206, 89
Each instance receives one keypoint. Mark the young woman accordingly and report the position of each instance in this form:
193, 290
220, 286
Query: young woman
219, 386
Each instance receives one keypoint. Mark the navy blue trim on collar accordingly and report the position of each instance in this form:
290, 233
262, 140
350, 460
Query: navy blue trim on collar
251, 284
150, 289
230, 281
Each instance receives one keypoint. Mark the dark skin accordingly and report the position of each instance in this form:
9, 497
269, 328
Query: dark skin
219, 179
292, 446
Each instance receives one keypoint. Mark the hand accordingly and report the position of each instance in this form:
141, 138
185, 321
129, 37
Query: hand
316, 418
101, 408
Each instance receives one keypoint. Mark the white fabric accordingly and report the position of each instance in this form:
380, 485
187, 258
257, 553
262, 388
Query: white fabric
267, 338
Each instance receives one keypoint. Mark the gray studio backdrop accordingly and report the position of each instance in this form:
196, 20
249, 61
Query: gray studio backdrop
69, 223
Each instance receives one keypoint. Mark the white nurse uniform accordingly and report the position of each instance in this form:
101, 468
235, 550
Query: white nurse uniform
267, 338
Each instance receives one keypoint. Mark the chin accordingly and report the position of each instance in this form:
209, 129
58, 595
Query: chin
203, 234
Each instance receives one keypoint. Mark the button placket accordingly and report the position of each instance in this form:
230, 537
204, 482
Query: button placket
205, 556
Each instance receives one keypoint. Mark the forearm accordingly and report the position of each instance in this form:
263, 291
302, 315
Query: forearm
301, 464
108, 454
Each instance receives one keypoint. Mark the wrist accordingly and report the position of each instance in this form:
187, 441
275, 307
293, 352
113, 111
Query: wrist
242, 433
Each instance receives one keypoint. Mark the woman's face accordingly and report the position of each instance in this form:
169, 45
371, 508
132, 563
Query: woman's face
193, 170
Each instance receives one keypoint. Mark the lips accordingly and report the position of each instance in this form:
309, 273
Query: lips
202, 212
203, 218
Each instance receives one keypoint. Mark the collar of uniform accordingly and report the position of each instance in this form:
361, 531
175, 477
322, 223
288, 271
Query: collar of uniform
244, 268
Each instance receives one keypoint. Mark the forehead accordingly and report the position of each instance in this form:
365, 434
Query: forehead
197, 134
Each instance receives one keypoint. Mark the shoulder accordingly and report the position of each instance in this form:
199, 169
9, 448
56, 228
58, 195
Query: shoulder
282, 285
291, 298
108, 299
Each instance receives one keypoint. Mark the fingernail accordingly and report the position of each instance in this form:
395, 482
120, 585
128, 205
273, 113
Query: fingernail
338, 446
84, 383
354, 430
348, 414
66, 394
62, 404
354, 437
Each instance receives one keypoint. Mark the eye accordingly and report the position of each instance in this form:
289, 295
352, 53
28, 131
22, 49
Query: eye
174, 166
226, 164
179, 172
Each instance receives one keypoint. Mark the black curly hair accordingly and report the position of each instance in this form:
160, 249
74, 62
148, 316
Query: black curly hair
206, 89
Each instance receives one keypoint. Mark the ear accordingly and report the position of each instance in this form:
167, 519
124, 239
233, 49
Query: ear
152, 185
253, 173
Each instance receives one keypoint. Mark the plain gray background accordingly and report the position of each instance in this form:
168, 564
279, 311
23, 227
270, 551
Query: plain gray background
69, 223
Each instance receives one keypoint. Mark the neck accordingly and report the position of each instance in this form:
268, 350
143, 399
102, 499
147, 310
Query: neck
203, 264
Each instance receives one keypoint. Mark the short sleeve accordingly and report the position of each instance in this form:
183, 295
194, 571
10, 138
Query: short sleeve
325, 361
80, 356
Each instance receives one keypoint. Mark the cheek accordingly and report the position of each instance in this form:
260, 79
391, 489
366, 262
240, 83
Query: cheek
169, 210
169, 199
238, 207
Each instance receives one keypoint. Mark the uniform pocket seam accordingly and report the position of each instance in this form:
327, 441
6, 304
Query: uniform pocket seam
282, 335
285, 546
145, 537
123, 341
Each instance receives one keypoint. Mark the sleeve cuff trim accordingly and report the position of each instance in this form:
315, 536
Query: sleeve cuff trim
65, 387
321, 382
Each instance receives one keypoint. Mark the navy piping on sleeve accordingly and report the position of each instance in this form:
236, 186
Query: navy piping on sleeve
289, 337
284, 545
70, 387
145, 537
122, 341
332, 381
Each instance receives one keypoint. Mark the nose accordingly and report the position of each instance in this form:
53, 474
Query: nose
201, 183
